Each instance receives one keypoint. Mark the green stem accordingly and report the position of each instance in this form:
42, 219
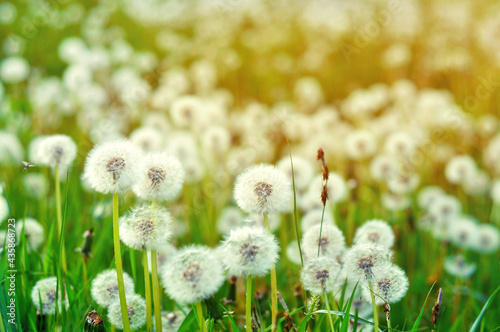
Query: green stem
147, 286
59, 219
325, 299
249, 304
156, 291
119, 267
374, 305
389, 327
274, 287
201, 319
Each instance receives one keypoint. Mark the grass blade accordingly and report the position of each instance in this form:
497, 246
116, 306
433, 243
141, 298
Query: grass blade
479, 318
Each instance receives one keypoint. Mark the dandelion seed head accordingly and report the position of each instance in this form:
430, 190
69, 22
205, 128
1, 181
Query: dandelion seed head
394, 202
360, 144
375, 231
464, 232
303, 171
383, 166
457, 266
185, 111
262, 189
146, 227
313, 217
104, 289
249, 250
57, 151
35, 185
390, 287
170, 320
427, 195
320, 274
14, 69
332, 241
400, 144
366, 261
44, 293
193, 274
229, 218
147, 139
136, 308
460, 169
33, 231
488, 239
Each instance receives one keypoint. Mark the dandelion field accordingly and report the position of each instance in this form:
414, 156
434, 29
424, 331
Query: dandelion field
147, 148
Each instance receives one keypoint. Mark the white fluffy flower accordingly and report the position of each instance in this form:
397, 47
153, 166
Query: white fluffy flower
427, 195
402, 183
400, 144
33, 232
320, 274
170, 320
313, 217
332, 241
477, 185
375, 231
146, 227
460, 169
262, 189
336, 187
192, 275
160, 178
464, 233
488, 239
148, 139
36, 185
293, 253
389, 287
303, 171
43, 296
395, 202
14, 69
249, 250
185, 111
445, 208
458, 267
229, 218
360, 144
366, 261
136, 307
11, 150
57, 151
104, 288
113, 167
383, 167
258, 219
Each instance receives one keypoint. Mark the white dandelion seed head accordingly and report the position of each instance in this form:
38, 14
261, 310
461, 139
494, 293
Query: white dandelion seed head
4, 209
185, 110
171, 320
33, 231
488, 239
193, 274
182, 145
366, 261
460, 169
57, 151
293, 253
383, 167
9, 13
156, 120
249, 250
215, 141
360, 144
336, 187
477, 185
403, 183
427, 195
389, 287
258, 220
71, 49
136, 308
394, 202
320, 274
194, 169
44, 293
11, 149
35, 185
313, 217
331, 243
262, 189
160, 178
14, 69
104, 288
400, 144
463, 232
163, 254
146, 227
230, 217
303, 171
147, 139
458, 267
375, 231
445, 208
113, 167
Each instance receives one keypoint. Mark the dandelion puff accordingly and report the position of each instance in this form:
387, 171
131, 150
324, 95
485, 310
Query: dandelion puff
249, 251
147, 139
394, 202
303, 171
171, 320
460, 169
104, 288
445, 208
383, 166
390, 287
403, 183
477, 185
464, 233
366, 261
375, 231
33, 232
427, 195
136, 307
185, 110
113, 167
360, 144
57, 151
488, 239
146, 227
44, 293
229, 218
400, 144
35, 185
458, 267
262, 189
161, 177
193, 274
320, 274
332, 241
313, 217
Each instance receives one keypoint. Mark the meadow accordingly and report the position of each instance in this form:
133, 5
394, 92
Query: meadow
249, 165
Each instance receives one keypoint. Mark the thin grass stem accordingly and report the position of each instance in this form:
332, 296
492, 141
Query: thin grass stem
374, 305
330, 320
201, 319
156, 291
147, 286
274, 286
248, 313
59, 220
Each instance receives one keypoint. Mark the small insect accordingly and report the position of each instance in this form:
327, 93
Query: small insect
94, 319
27, 165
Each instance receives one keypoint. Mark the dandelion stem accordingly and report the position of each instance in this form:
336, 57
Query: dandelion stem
156, 291
389, 327
374, 305
59, 219
147, 285
249, 304
113, 328
274, 287
201, 319
325, 299
119, 267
